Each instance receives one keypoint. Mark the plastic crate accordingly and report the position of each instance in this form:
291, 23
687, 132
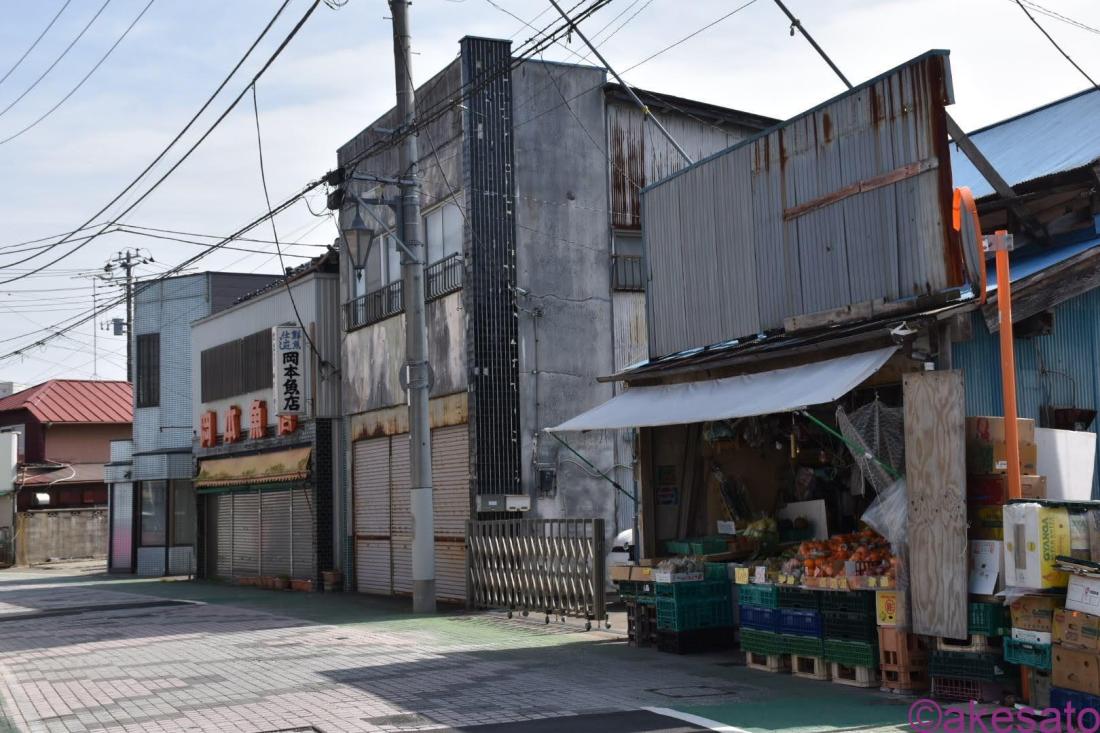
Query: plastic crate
761, 642
676, 615
800, 623
855, 602
803, 646
694, 590
678, 547
849, 626
716, 571
799, 598
695, 641
709, 546
633, 589
761, 619
902, 650
761, 596
851, 653
969, 666
990, 619
965, 690
1032, 655
1060, 697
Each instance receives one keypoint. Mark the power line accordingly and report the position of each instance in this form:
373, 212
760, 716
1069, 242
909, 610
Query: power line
1055, 43
197, 143
36, 40
56, 61
87, 76
1058, 16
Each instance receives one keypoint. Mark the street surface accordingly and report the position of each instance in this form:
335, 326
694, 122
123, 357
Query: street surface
80, 651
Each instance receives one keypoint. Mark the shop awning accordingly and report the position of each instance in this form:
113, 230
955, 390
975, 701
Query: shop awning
261, 468
746, 395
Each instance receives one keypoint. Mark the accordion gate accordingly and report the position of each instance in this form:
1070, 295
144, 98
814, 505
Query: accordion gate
553, 566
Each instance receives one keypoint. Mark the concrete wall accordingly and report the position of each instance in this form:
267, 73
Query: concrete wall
64, 533
83, 443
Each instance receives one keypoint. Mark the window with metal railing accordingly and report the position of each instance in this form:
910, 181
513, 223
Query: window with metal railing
440, 278
627, 273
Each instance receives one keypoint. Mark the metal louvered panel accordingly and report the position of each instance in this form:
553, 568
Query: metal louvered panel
451, 480
222, 509
181, 561
122, 529
402, 563
304, 542
275, 533
246, 534
450, 571
400, 516
372, 566
371, 466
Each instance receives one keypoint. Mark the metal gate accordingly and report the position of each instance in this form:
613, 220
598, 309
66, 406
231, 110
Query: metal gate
552, 566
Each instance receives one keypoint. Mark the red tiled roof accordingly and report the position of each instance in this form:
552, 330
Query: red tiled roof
75, 401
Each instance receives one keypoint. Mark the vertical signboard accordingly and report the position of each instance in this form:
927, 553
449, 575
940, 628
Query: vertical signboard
289, 363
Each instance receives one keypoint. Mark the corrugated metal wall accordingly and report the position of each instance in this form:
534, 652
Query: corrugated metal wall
630, 348
791, 222
1061, 369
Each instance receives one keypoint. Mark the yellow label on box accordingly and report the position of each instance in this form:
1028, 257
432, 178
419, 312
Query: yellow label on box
741, 576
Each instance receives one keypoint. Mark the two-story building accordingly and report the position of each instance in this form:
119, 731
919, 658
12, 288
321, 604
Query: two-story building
268, 431
152, 496
534, 281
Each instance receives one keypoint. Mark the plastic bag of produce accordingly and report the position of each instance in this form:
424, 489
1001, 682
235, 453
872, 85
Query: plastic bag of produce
889, 515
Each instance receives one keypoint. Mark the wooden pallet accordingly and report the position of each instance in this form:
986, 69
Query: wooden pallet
854, 676
811, 668
768, 662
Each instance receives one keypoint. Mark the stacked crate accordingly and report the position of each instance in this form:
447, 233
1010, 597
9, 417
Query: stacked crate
694, 616
903, 656
802, 632
975, 668
640, 598
758, 608
851, 637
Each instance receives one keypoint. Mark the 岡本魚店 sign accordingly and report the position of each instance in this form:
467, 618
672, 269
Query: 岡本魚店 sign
289, 362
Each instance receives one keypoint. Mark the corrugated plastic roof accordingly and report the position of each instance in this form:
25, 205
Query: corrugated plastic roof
1055, 138
1035, 260
75, 401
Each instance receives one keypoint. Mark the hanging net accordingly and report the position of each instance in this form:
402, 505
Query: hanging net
877, 430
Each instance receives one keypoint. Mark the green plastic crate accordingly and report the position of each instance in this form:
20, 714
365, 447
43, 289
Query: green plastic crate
637, 590
803, 646
716, 571
854, 601
708, 546
990, 619
849, 626
1032, 655
801, 599
761, 642
764, 596
678, 547
851, 653
676, 615
969, 666
694, 590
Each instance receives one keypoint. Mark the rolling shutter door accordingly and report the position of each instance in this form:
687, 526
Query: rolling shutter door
222, 552
275, 533
304, 541
246, 534
451, 509
400, 518
371, 497
122, 525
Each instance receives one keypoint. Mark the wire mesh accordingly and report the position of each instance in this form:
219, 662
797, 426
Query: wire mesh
878, 430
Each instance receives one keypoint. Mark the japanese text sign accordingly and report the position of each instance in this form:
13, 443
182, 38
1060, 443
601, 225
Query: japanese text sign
290, 361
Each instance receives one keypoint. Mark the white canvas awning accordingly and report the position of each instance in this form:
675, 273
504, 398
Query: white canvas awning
746, 395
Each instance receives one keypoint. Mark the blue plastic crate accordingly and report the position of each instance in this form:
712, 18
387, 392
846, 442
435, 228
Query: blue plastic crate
761, 619
800, 622
1059, 696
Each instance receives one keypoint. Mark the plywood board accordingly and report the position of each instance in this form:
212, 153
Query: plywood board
935, 471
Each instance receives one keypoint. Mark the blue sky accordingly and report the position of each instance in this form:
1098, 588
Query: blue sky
337, 75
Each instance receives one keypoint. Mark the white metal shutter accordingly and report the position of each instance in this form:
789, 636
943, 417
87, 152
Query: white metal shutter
304, 541
401, 545
371, 497
275, 533
221, 506
122, 525
451, 508
400, 518
450, 571
246, 534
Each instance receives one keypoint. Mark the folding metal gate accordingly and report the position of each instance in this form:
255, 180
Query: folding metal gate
551, 566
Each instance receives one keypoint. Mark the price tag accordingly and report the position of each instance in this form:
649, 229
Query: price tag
760, 575
741, 576
872, 582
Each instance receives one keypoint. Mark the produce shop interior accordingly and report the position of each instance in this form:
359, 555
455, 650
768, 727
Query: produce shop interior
874, 541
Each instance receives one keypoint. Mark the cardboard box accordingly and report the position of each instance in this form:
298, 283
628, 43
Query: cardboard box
1083, 594
1074, 669
1079, 540
892, 608
986, 522
1035, 613
1032, 637
1034, 536
1092, 519
631, 572
991, 429
1077, 630
992, 489
990, 458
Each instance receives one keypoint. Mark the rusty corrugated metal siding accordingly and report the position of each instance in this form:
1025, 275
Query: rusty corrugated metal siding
846, 203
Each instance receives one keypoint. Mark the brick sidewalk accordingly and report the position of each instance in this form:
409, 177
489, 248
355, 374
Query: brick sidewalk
139, 661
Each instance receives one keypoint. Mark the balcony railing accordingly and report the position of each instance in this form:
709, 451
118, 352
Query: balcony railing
440, 278
627, 273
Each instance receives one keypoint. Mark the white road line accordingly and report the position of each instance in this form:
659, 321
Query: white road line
696, 720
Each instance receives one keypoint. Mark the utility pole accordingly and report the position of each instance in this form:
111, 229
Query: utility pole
127, 260
417, 370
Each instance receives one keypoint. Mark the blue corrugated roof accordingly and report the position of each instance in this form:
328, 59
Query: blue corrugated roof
1058, 137
1036, 259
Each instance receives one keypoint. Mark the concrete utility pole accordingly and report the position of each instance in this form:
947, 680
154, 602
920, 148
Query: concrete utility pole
127, 260
417, 370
